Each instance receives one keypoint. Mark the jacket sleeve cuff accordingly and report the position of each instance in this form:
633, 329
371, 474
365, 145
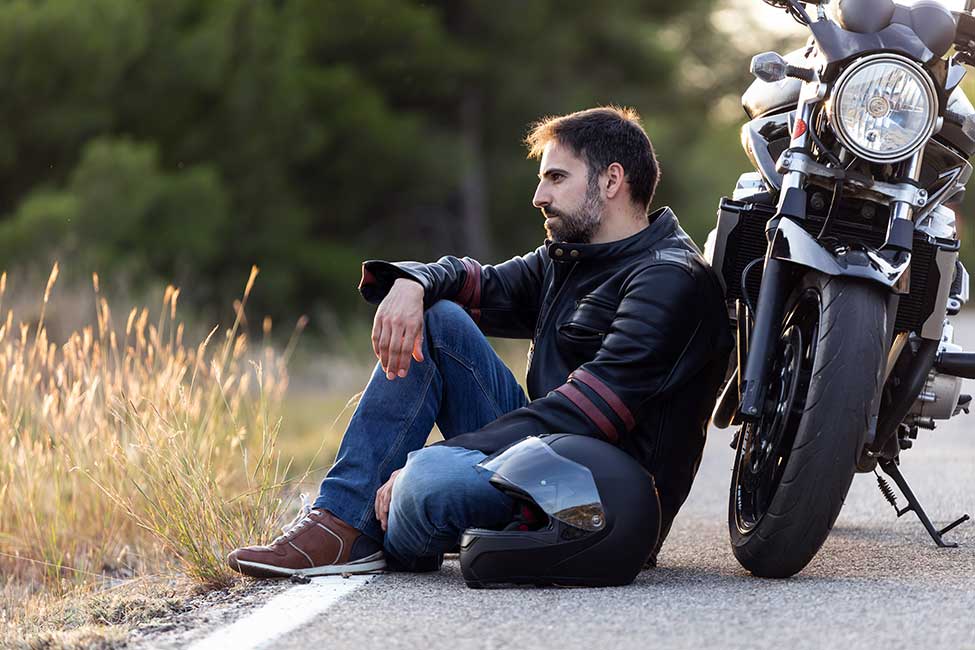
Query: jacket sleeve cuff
378, 278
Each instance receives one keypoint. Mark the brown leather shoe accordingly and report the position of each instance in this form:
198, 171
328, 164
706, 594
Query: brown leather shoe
316, 544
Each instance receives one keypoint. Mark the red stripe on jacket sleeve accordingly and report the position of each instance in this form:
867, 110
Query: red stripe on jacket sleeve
368, 278
607, 394
470, 294
590, 410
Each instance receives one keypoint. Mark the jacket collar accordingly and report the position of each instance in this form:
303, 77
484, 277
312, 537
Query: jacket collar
663, 222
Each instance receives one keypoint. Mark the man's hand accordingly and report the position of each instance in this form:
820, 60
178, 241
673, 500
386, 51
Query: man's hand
384, 496
397, 329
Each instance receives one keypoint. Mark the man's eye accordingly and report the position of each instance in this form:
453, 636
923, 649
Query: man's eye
556, 178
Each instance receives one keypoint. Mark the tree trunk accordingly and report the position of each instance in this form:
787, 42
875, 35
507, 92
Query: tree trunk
475, 236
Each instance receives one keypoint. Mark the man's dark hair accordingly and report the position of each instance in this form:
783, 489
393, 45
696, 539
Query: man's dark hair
602, 136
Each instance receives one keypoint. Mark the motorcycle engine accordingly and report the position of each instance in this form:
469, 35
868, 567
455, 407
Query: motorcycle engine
940, 399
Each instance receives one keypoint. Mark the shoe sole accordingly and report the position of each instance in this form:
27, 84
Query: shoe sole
374, 562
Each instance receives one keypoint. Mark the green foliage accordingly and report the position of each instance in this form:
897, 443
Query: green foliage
120, 212
185, 141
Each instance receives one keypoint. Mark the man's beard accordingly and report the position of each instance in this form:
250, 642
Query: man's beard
579, 226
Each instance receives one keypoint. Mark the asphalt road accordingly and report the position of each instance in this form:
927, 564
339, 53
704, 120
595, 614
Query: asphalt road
879, 581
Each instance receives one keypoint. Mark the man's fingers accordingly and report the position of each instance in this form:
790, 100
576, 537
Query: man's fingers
384, 497
377, 331
395, 352
384, 339
382, 505
406, 349
418, 346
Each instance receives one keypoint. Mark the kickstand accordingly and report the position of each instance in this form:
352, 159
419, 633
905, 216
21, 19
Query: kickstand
890, 469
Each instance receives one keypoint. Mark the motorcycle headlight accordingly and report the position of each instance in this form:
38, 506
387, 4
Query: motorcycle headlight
884, 108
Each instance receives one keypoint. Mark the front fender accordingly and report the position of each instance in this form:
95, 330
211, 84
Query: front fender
793, 244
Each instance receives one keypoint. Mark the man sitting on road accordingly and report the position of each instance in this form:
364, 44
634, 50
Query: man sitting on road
630, 342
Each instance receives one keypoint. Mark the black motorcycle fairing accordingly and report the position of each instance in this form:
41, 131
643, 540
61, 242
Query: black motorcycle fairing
863, 16
792, 243
836, 45
933, 23
954, 74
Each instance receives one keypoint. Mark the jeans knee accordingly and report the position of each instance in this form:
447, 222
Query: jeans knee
429, 492
445, 316
413, 519
420, 483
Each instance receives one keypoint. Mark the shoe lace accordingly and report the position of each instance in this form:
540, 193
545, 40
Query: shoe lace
299, 522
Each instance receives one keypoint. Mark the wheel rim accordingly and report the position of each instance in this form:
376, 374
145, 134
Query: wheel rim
765, 444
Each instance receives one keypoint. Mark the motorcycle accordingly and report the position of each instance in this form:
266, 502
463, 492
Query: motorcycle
839, 258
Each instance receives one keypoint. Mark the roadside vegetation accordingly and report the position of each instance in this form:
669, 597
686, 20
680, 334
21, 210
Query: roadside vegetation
130, 453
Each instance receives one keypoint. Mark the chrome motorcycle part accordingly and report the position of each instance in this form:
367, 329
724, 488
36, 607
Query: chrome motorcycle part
959, 289
902, 214
884, 108
740, 240
775, 282
794, 244
860, 186
749, 184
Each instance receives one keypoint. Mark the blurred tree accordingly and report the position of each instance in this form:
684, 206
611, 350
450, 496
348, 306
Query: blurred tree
188, 140
120, 212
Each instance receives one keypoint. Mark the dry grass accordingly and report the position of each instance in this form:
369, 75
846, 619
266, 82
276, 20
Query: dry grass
97, 618
124, 451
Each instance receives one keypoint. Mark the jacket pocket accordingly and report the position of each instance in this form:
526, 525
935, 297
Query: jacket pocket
581, 335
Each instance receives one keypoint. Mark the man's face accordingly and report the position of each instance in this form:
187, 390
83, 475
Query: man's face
569, 200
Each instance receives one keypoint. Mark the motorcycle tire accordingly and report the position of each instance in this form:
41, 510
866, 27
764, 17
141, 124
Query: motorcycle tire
837, 366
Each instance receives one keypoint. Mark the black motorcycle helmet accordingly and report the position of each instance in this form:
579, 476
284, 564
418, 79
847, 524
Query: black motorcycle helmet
588, 515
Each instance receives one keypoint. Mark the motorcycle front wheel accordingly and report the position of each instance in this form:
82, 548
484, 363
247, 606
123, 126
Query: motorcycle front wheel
794, 464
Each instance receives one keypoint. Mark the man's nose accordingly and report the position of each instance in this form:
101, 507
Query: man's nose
541, 198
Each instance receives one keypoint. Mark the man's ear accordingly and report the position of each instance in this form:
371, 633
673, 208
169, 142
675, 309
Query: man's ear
613, 179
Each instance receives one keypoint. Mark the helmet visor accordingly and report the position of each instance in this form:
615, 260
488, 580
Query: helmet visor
562, 488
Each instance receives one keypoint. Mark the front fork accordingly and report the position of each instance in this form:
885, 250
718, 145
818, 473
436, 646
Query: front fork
774, 286
776, 279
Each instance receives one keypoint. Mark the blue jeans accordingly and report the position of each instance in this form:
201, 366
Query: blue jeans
461, 385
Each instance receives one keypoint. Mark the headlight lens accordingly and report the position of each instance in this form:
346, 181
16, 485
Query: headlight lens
884, 108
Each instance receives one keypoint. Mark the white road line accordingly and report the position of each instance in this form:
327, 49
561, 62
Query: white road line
283, 613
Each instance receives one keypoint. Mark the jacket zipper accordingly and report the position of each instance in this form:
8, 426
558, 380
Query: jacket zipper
544, 320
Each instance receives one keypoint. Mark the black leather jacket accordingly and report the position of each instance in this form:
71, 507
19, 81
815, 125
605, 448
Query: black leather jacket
630, 341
